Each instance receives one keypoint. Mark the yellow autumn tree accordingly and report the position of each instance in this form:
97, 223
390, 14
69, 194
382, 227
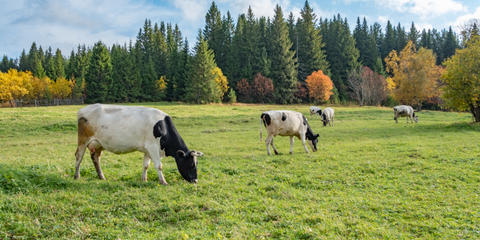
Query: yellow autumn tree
39, 88
319, 86
221, 82
14, 85
61, 88
462, 79
414, 75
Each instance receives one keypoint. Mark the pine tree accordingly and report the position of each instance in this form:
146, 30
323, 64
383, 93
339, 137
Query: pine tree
341, 53
98, 77
283, 71
413, 35
311, 56
59, 65
201, 86
449, 44
23, 62
389, 42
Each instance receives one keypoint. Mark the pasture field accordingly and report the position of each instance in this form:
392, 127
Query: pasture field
370, 179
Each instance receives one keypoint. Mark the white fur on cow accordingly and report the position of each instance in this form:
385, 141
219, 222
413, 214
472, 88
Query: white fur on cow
124, 129
287, 123
315, 111
328, 114
404, 111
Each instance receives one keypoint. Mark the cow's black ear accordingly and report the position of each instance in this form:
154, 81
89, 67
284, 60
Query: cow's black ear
316, 135
181, 153
160, 129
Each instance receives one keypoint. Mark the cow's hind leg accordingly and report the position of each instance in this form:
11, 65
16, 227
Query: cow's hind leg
274, 148
268, 141
79, 156
146, 163
95, 155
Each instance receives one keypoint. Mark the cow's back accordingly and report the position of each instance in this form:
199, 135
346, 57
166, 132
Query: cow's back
285, 123
121, 128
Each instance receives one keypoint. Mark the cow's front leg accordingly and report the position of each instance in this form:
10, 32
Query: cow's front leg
268, 141
274, 148
96, 162
291, 144
304, 143
154, 153
146, 163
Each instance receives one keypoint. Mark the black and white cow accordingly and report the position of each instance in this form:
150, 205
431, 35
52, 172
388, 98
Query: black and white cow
287, 123
315, 111
404, 111
327, 116
124, 129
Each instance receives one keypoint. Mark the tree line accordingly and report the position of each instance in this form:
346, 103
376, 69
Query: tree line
255, 59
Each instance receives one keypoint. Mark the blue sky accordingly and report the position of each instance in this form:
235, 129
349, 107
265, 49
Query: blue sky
66, 23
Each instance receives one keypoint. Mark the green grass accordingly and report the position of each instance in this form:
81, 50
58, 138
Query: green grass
370, 179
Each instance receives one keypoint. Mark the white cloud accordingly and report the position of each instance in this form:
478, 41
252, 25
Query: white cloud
192, 10
65, 24
424, 8
464, 19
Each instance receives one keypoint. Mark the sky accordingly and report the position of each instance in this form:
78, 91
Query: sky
65, 24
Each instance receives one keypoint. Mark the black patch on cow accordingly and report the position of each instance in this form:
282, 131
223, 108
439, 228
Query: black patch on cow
319, 112
324, 119
413, 114
266, 119
172, 143
284, 116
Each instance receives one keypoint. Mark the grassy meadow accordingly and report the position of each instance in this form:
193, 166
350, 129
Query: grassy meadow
370, 179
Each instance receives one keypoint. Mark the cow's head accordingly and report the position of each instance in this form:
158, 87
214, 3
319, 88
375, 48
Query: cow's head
187, 164
415, 118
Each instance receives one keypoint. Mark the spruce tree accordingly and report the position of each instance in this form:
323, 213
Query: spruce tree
59, 65
449, 44
389, 42
98, 77
311, 56
23, 62
413, 35
341, 53
201, 86
283, 70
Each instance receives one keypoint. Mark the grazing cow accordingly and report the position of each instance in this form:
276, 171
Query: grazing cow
314, 110
287, 123
404, 111
124, 129
327, 116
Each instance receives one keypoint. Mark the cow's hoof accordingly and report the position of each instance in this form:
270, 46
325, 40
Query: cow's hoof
276, 153
291, 153
164, 183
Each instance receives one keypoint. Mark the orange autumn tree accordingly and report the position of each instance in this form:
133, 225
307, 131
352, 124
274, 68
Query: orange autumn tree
319, 86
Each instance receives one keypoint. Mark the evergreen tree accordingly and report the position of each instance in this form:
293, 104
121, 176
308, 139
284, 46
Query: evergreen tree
98, 77
449, 44
183, 65
59, 63
341, 54
34, 63
283, 70
366, 44
225, 57
7, 64
389, 42
413, 35
311, 56
401, 38
201, 86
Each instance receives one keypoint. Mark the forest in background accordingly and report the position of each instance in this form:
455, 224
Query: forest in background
256, 59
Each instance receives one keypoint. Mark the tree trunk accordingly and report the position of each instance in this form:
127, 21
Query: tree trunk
476, 113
